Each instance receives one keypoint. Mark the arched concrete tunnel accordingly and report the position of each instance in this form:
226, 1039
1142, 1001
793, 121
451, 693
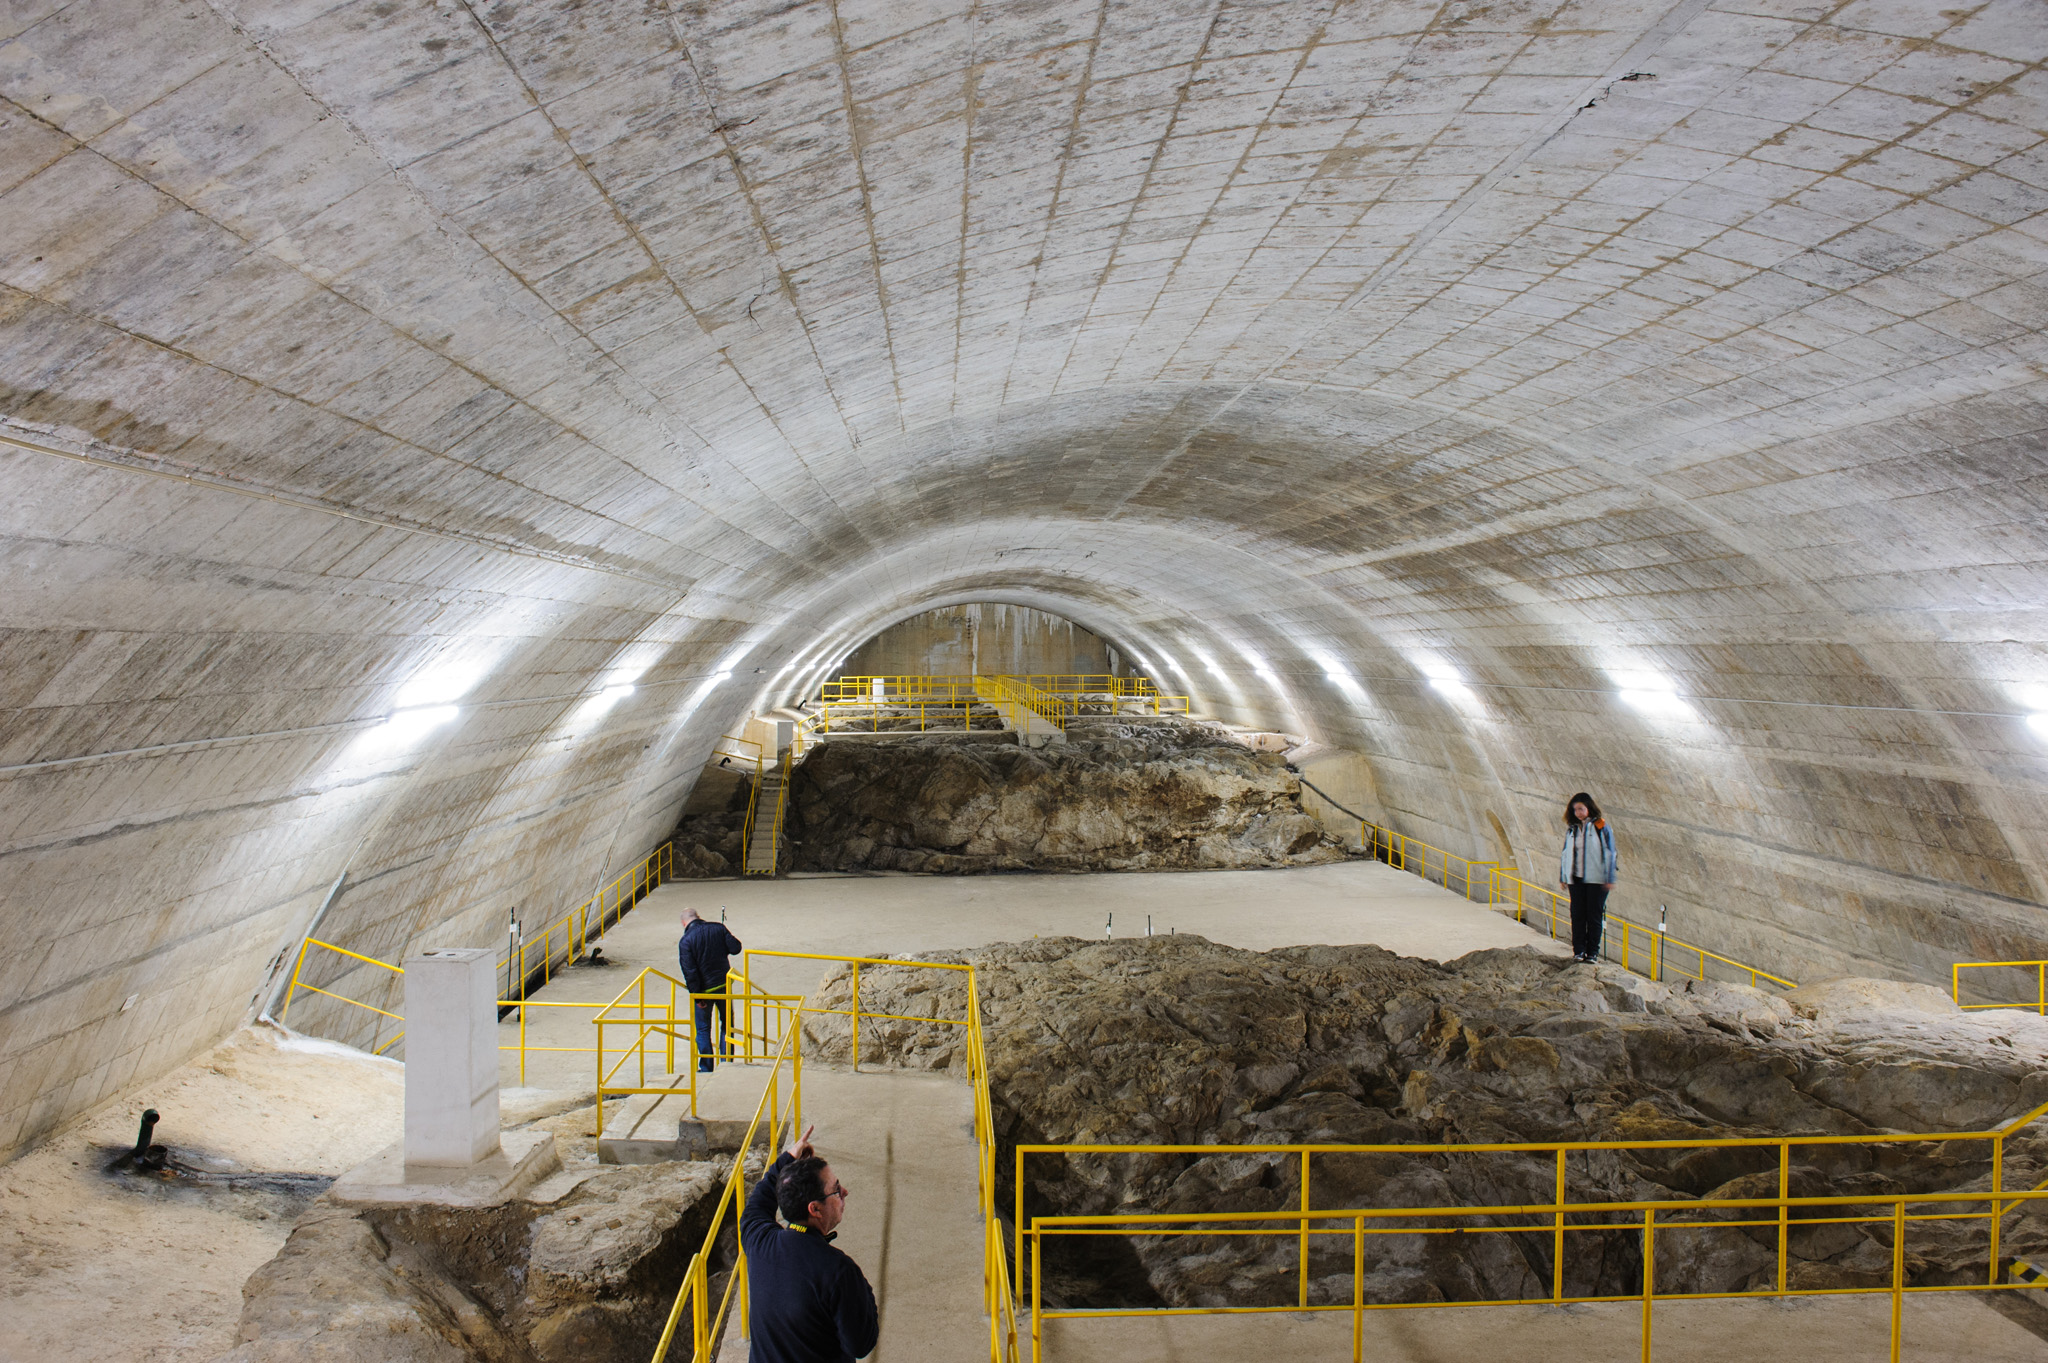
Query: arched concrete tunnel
1515, 399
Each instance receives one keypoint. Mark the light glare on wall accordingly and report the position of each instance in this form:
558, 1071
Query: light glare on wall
1445, 678
2033, 698
1652, 695
1339, 674
407, 724
440, 684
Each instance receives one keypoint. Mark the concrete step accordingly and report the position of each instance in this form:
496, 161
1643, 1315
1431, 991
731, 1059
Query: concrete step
695, 1139
761, 846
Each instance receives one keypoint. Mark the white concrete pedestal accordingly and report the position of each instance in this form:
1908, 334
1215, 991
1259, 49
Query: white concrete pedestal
452, 1153
451, 1058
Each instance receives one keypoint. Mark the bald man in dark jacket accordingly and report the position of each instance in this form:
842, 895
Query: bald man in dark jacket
811, 1302
705, 954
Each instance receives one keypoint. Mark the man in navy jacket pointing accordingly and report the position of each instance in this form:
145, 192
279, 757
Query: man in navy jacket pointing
811, 1302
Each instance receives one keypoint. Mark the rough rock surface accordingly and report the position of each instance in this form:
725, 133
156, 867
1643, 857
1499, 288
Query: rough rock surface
1178, 1040
1120, 795
711, 843
588, 1277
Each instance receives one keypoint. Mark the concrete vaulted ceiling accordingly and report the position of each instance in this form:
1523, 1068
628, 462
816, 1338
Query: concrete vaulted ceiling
362, 355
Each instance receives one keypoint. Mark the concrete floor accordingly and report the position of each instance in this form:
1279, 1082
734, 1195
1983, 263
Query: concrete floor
865, 914
903, 1144
1848, 1329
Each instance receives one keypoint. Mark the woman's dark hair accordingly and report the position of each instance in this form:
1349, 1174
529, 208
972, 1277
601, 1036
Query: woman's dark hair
798, 1186
1592, 810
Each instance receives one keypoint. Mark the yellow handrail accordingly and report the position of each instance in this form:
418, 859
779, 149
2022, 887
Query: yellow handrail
860, 693
519, 1006
1555, 1219
627, 889
1016, 694
2040, 969
1643, 949
1552, 1219
574, 928
747, 868
999, 1295
695, 1291
746, 824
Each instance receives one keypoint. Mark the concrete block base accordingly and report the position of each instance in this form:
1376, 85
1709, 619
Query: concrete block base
695, 1140
524, 1158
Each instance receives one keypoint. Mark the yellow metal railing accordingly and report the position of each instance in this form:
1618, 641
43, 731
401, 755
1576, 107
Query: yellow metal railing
656, 1012
566, 938
1013, 694
734, 750
773, 1123
807, 732
1306, 1224
943, 693
520, 1006
1648, 951
694, 1297
896, 690
774, 815
940, 704
573, 931
1554, 1220
2039, 1003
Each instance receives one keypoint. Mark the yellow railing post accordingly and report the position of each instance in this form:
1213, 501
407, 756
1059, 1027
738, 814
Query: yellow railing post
1303, 1294
1358, 1290
1997, 1187
700, 1327
1650, 1275
1784, 1212
1898, 1270
1035, 1327
1557, 1235
297, 966
856, 1017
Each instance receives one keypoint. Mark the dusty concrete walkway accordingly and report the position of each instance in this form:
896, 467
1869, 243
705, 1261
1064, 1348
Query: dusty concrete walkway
903, 1143
1937, 1329
896, 913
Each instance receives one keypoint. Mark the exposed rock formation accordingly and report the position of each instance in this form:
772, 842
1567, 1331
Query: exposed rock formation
1177, 1040
1119, 795
710, 841
589, 1277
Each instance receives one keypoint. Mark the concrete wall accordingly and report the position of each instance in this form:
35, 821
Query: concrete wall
990, 638
355, 355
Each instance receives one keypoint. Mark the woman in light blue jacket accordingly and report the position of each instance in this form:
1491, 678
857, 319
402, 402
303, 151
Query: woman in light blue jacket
1587, 869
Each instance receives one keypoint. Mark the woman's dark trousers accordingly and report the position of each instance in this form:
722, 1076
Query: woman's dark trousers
1589, 917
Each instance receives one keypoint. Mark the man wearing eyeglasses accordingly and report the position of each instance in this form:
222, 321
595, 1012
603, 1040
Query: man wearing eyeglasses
811, 1302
